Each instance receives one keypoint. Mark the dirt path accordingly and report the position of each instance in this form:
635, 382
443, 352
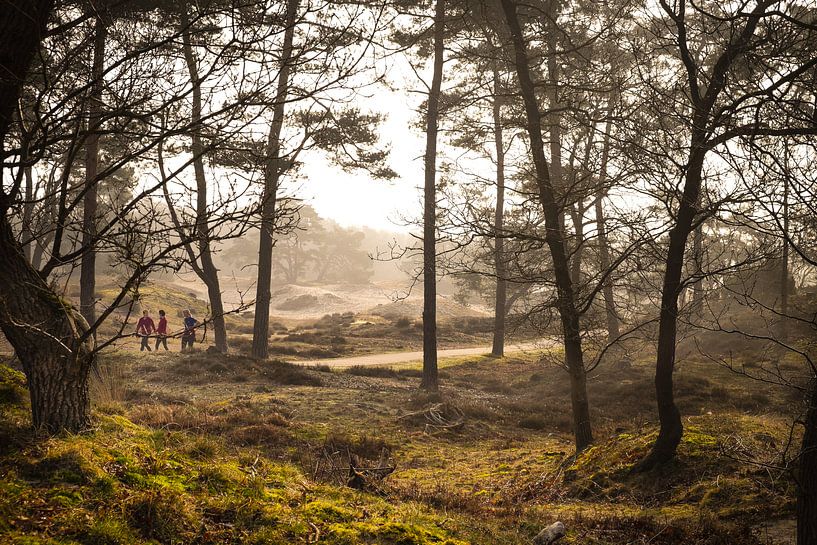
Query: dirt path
404, 357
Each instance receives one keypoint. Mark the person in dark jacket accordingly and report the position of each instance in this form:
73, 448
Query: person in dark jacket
189, 334
161, 331
144, 328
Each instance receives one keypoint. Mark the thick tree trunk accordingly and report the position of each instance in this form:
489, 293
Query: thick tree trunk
604, 245
430, 380
498, 348
22, 25
44, 332
807, 476
87, 277
554, 238
272, 176
208, 271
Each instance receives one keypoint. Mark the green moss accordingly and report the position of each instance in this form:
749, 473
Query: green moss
697, 440
65, 498
339, 534
109, 531
163, 515
398, 533
324, 511
10, 501
267, 536
29, 539
12, 386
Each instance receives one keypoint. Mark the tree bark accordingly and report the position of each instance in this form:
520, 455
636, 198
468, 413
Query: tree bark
87, 277
697, 263
44, 331
604, 245
784, 261
26, 234
498, 348
430, 379
554, 238
671, 428
807, 476
272, 176
22, 25
578, 210
208, 270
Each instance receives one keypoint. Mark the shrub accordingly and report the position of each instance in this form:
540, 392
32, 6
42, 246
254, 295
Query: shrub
403, 322
162, 515
533, 422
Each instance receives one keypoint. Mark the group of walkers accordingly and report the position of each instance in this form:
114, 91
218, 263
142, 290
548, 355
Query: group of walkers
147, 329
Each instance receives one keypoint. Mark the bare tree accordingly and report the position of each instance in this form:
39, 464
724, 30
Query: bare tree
430, 379
717, 87
555, 236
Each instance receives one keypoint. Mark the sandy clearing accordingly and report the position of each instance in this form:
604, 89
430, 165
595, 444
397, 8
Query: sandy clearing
404, 357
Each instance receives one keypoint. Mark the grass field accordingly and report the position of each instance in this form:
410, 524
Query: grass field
204, 448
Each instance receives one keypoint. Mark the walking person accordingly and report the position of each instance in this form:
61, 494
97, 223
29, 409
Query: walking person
144, 328
161, 331
189, 334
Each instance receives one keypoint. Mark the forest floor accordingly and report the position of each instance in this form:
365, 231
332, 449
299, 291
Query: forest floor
212, 449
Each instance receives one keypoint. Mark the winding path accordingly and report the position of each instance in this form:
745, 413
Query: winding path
391, 358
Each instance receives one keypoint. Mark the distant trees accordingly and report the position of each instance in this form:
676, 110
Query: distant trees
310, 250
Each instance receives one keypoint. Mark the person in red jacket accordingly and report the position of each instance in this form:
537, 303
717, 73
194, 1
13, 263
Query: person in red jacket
144, 328
161, 331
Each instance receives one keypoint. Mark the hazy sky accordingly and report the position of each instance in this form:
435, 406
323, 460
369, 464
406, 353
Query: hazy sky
354, 199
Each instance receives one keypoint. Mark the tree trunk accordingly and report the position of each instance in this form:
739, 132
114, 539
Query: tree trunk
577, 212
784, 262
604, 245
498, 348
22, 25
554, 238
208, 271
430, 380
37, 253
807, 476
87, 277
697, 261
44, 332
272, 176
671, 428
26, 234
554, 115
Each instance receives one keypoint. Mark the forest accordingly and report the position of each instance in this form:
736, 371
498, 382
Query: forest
594, 320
